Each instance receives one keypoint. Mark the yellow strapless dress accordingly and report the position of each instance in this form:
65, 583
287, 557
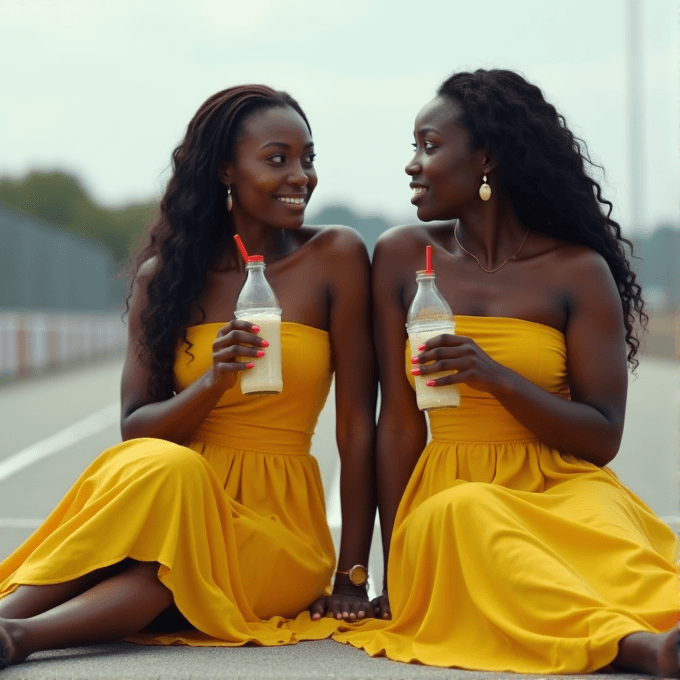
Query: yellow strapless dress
507, 555
236, 516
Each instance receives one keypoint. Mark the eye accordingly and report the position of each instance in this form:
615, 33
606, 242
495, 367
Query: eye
278, 158
427, 145
309, 158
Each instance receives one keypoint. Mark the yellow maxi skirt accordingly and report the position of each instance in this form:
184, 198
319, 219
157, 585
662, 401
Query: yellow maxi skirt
235, 517
507, 555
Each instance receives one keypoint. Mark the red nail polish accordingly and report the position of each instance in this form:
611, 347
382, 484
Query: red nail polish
264, 343
260, 354
414, 360
256, 328
250, 364
430, 383
421, 348
415, 371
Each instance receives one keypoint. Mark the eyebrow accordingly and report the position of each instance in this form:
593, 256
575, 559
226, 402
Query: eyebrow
283, 145
423, 131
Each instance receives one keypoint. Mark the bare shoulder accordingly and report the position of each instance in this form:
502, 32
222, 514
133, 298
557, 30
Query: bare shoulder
335, 243
138, 296
584, 275
401, 238
580, 266
147, 270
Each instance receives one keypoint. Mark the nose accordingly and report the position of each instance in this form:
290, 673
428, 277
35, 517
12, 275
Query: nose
413, 167
298, 176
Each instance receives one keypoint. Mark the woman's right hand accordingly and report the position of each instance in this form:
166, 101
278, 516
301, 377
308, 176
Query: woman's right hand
237, 340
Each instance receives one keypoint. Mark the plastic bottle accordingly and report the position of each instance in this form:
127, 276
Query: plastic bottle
429, 316
258, 304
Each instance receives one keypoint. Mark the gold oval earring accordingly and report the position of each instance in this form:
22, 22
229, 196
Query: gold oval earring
229, 201
485, 190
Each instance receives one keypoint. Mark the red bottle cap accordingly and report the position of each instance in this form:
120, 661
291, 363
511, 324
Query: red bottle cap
255, 258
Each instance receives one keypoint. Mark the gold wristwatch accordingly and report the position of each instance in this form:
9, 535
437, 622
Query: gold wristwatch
358, 574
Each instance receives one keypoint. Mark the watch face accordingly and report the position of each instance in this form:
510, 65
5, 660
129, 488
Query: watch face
358, 575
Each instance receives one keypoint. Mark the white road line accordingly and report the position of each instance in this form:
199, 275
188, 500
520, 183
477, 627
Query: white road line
72, 434
19, 523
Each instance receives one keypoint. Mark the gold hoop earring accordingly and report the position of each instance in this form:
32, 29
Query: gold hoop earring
485, 190
230, 203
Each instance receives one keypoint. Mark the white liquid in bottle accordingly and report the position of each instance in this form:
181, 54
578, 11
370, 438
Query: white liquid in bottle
431, 398
257, 303
428, 317
265, 377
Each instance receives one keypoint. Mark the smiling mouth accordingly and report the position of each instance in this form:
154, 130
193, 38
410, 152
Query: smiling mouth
292, 201
418, 191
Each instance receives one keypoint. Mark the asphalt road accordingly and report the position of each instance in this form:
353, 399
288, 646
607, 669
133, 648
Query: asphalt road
53, 427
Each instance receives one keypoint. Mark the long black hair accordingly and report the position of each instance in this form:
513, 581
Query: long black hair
193, 225
542, 166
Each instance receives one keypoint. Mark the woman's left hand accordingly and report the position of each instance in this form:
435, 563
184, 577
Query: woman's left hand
348, 603
473, 366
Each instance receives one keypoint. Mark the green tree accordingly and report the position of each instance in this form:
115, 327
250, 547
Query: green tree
61, 199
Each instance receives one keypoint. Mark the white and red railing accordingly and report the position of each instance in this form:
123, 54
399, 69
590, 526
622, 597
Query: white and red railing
31, 342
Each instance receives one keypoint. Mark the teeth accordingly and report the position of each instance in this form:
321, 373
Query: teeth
418, 190
292, 201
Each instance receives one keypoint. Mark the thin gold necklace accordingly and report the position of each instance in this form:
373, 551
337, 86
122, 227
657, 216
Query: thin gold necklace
488, 271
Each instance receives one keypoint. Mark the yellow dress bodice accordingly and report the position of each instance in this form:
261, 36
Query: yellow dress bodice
533, 350
283, 422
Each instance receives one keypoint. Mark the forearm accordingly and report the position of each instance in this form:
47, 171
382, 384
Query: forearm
176, 419
568, 426
357, 496
397, 453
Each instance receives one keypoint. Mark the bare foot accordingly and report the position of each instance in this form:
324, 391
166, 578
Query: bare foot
669, 654
656, 654
11, 651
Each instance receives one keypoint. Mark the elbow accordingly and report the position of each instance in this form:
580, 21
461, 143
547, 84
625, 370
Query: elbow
609, 451
607, 447
127, 430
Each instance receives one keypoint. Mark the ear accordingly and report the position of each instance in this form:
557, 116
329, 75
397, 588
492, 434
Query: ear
489, 163
224, 173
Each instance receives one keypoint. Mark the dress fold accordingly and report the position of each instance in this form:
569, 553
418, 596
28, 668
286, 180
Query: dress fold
509, 556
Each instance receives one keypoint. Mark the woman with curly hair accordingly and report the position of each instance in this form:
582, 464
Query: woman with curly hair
207, 525
512, 546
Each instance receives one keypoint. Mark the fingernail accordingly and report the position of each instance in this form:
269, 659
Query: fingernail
316, 616
414, 360
430, 383
256, 328
421, 348
385, 616
250, 364
415, 371
264, 343
260, 354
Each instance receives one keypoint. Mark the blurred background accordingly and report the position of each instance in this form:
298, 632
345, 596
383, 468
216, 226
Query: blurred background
96, 94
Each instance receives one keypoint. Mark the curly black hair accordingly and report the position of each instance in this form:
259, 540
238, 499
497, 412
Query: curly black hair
542, 166
192, 226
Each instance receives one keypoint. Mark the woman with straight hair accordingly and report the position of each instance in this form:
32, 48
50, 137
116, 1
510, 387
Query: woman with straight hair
512, 546
207, 526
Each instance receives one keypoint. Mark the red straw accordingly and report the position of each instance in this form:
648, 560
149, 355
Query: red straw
428, 260
242, 248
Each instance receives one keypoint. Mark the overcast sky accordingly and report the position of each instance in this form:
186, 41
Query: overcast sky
105, 88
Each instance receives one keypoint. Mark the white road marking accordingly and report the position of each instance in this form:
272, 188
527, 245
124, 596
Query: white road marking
92, 424
19, 523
